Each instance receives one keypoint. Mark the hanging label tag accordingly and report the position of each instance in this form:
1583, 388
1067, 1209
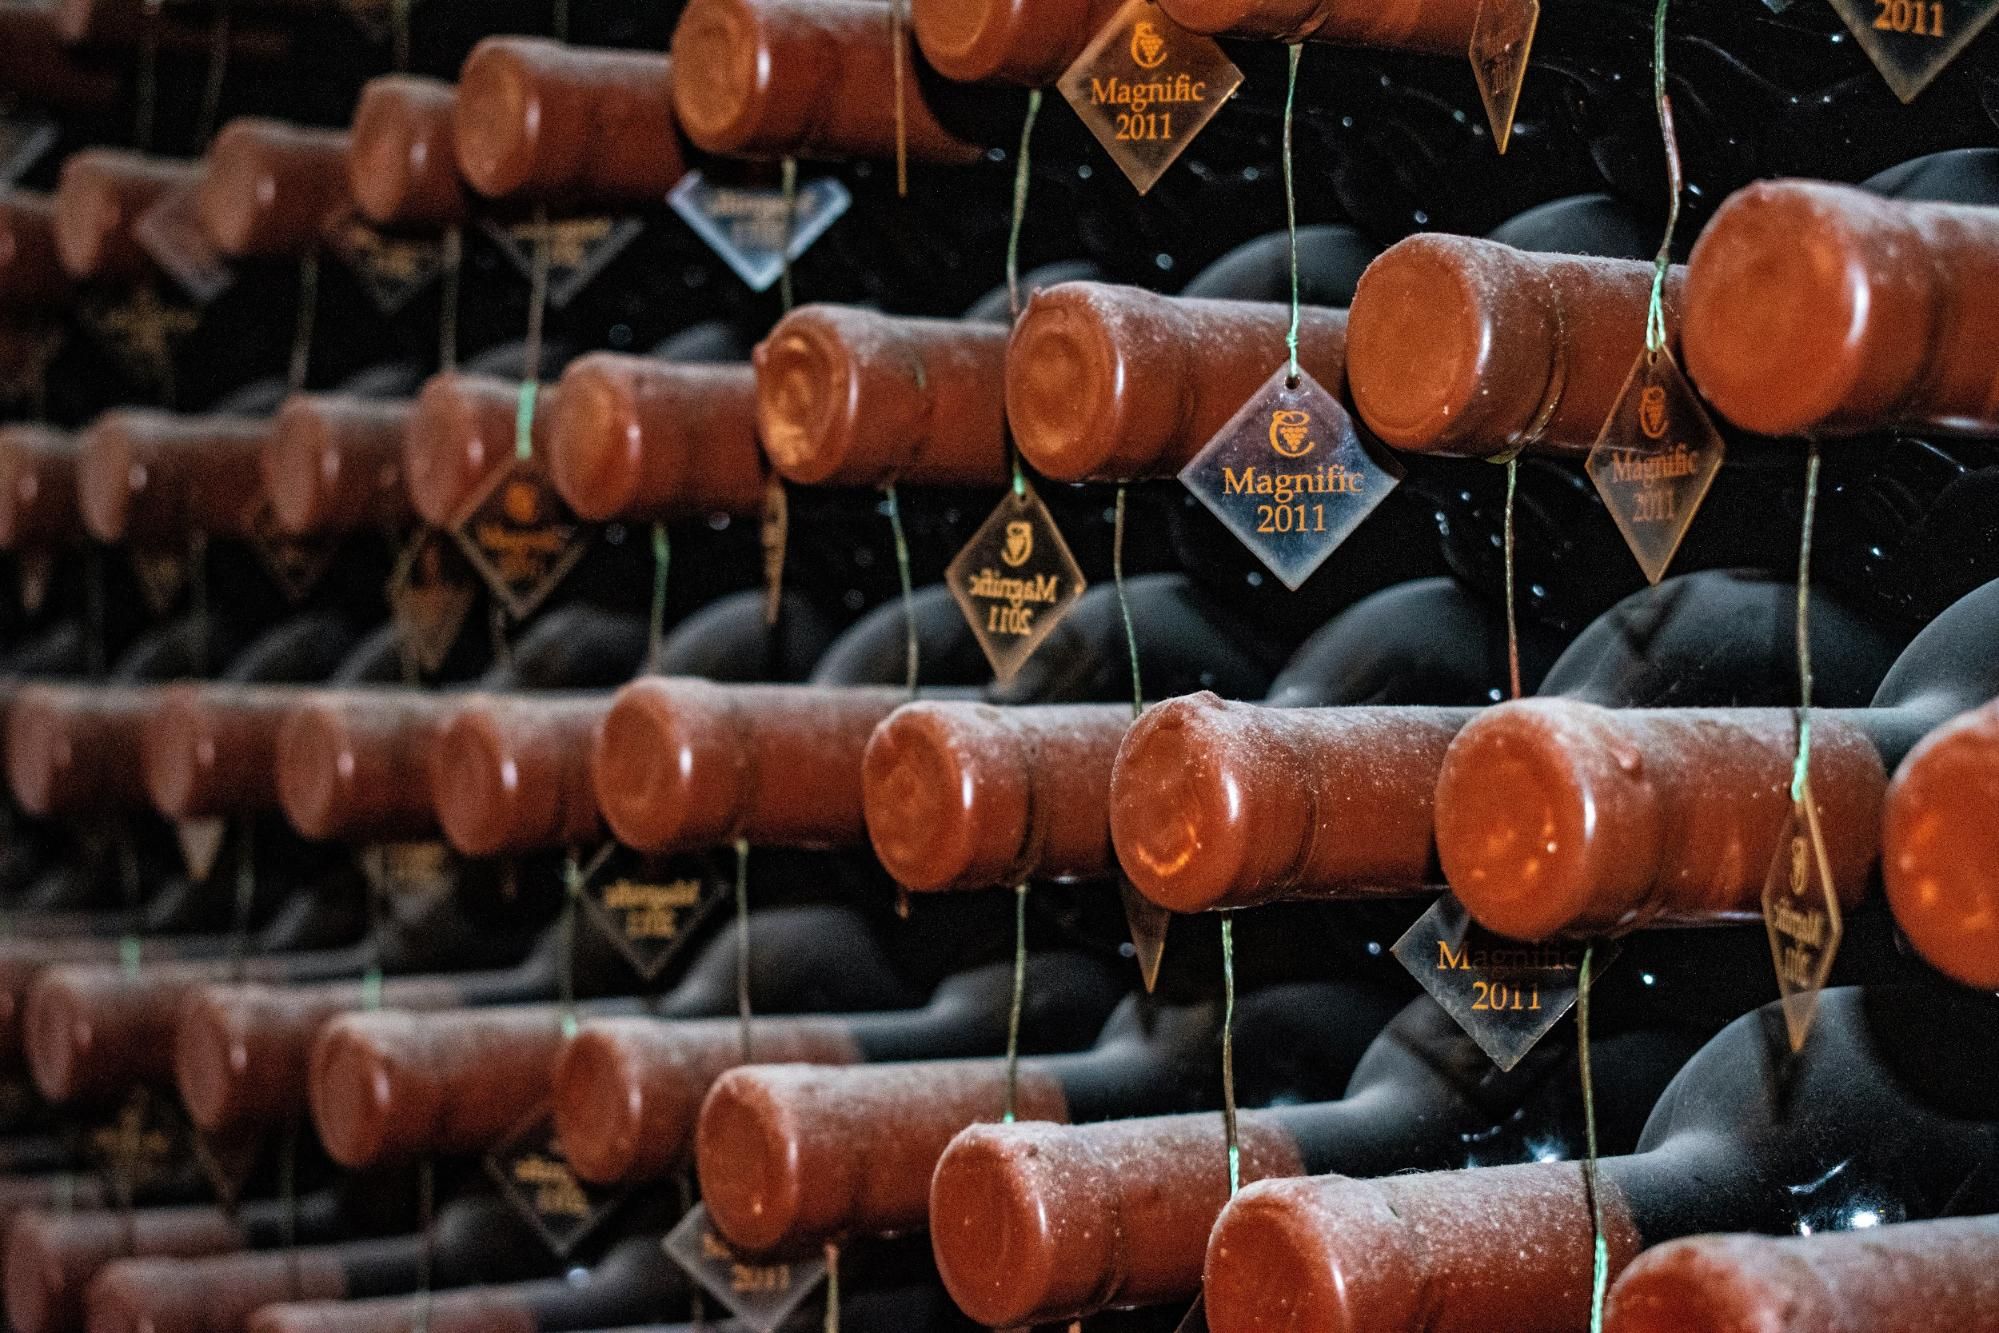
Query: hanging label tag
430, 593
407, 872
1910, 41
393, 269
140, 1144
537, 1182
140, 331
1145, 86
34, 573
578, 249
1503, 993
1654, 460
1502, 37
24, 140
171, 233
748, 225
520, 535
295, 564
200, 845
161, 575
1290, 476
647, 906
762, 1296
1015, 580
1801, 913
1148, 922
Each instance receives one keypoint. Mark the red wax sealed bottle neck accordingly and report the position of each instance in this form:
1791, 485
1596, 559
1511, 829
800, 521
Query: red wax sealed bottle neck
537, 120
1555, 816
850, 397
334, 463
460, 433
73, 749
353, 766
31, 272
512, 773
803, 78
1938, 843
211, 750
683, 764
1464, 346
1116, 383
639, 439
1217, 804
1441, 27
102, 195
402, 161
1026, 42
962, 796
269, 189
155, 479
38, 507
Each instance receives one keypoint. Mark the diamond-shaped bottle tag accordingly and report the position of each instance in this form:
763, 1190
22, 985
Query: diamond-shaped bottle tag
34, 577
1015, 580
295, 564
1148, 922
200, 845
139, 1143
1502, 37
1654, 460
754, 228
578, 249
1503, 993
430, 593
1910, 41
1145, 86
520, 535
161, 575
139, 329
24, 139
171, 233
1801, 913
1290, 476
404, 872
538, 1183
227, 1163
393, 269
761, 1295
648, 905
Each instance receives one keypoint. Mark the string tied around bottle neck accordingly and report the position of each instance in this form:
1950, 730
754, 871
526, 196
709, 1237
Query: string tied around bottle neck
1655, 309
1297, 51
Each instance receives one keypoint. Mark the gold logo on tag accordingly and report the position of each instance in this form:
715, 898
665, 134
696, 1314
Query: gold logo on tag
1019, 543
1290, 433
1148, 48
1652, 417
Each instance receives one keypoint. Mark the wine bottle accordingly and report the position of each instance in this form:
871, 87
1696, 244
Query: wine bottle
32, 277
511, 773
332, 465
1930, 839
149, 478
102, 195
640, 439
268, 188
402, 156
1031, 44
459, 434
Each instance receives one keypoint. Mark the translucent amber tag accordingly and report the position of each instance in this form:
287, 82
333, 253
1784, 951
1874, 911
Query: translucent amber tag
1654, 460
1015, 580
1503, 993
295, 564
393, 269
774, 536
537, 1182
430, 594
647, 906
1502, 37
24, 139
200, 846
761, 1295
520, 536
171, 233
1147, 922
161, 575
1801, 912
1146, 86
402, 872
1290, 476
578, 249
754, 228
1910, 41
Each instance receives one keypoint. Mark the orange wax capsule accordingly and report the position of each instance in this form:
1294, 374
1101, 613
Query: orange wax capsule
353, 766
1457, 345
963, 796
211, 749
511, 774
1027, 42
77, 748
151, 478
1938, 840
682, 763
334, 463
1113, 383
640, 439
402, 162
31, 271
101, 197
1442, 27
268, 189
850, 397
38, 506
540, 120
800, 78
460, 433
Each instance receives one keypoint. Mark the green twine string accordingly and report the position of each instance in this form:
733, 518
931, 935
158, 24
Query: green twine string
1512, 615
789, 175
832, 1288
130, 946
399, 34
1021, 182
537, 291
1801, 769
524, 419
148, 78
1019, 997
1655, 311
1123, 605
1228, 1053
910, 650
1600, 1264
743, 943
246, 893
447, 309
662, 557
308, 314
218, 69
572, 893
1291, 216
426, 1194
